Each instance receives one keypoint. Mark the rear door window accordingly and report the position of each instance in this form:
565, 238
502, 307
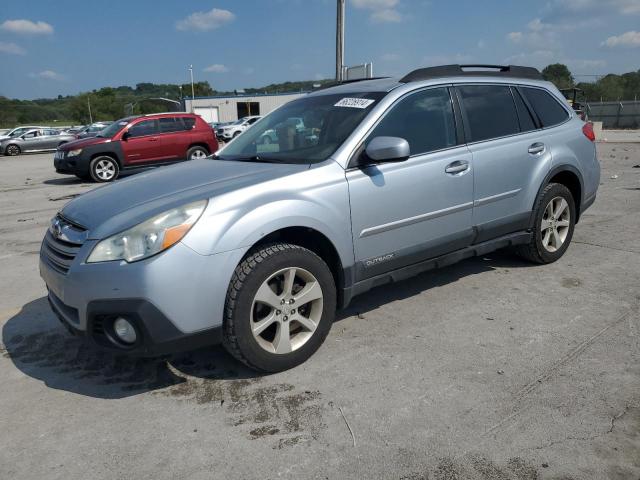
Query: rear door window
549, 110
146, 127
170, 124
489, 110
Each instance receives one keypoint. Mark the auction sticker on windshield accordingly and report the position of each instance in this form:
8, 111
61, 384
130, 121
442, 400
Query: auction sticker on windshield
354, 102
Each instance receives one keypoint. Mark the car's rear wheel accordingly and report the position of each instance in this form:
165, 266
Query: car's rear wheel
12, 150
104, 169
197, 153
236, 134
280, 307
554, 222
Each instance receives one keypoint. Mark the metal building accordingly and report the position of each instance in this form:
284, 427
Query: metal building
231, 108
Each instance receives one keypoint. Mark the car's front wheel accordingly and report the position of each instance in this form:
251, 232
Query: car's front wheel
104, 169
196, 153
280, 306
554, 221
12, 150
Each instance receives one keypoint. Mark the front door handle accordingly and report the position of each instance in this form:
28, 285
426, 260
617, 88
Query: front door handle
536, 148
457, 167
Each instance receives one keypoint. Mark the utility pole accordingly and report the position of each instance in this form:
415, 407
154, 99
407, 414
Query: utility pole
340, 40
89, 106
193, 92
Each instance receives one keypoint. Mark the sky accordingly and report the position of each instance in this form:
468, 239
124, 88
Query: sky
65, 47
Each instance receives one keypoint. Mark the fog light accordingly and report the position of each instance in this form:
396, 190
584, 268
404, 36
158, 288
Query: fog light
124, 330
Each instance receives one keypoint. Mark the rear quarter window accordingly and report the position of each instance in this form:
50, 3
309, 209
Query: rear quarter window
548, 109
189, 122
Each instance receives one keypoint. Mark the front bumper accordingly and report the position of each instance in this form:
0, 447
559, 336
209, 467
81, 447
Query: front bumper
174, 300
77, 165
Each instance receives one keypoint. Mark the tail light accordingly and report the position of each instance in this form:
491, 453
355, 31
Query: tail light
587, 129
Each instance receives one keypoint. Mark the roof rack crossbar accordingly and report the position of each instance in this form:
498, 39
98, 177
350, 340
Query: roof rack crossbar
512, 71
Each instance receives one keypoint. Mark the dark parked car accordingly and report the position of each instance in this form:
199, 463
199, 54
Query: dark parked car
134, 142
92, 130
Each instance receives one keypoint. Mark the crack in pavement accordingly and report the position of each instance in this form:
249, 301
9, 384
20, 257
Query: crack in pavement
527, 389
605, 246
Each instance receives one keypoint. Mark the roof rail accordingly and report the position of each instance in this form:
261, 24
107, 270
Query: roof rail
511, 71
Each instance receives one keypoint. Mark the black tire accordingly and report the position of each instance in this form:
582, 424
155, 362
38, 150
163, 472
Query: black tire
195, 151
61, 143
249, 275
12, 150
236, 134
535, 250
100, 161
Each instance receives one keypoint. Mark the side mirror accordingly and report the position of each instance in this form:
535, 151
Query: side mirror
126, 136
386, 149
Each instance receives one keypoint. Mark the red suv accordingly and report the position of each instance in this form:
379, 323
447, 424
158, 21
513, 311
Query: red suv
134, 142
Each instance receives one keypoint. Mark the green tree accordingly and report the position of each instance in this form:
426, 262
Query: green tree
559, 74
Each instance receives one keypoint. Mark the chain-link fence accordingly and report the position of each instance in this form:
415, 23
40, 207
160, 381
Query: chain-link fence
615, 115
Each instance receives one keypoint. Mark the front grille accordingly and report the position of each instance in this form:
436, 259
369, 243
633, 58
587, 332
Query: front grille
60, 250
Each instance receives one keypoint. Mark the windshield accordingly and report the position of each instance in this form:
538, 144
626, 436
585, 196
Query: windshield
19, 131
307, 130
115, 127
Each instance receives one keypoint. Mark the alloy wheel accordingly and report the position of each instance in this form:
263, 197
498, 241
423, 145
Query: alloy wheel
198, 154
105, 170
555, 224
286, 310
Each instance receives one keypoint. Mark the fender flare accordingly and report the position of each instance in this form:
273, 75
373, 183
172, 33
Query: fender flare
552, 173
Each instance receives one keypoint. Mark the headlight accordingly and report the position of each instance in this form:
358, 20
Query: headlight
73, 153
150, 237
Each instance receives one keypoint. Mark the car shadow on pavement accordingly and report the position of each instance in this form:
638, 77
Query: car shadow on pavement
434, 278
40, 347
64, 181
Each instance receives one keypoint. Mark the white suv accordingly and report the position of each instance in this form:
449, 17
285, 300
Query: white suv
229, 132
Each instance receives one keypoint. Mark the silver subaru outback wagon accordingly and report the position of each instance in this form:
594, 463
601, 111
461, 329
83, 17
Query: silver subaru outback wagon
257, 247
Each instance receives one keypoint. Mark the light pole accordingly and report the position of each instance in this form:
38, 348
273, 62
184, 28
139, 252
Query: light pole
193, 92
340, 40
89, 107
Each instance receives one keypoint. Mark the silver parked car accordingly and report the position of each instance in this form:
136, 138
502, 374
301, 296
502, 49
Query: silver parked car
35, 140
16, 132
256, 247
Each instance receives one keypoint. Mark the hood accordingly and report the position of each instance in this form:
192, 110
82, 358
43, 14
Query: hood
83, 142
125, 203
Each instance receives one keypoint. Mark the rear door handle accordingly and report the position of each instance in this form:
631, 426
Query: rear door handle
153, 139
457, 167
536, 148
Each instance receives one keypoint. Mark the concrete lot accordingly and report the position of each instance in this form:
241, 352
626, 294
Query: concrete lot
492, 369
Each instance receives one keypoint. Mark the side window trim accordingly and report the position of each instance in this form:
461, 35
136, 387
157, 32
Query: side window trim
514, 92
459, 141
532, 110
